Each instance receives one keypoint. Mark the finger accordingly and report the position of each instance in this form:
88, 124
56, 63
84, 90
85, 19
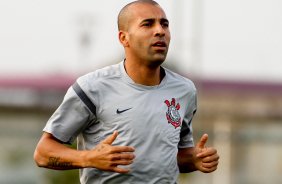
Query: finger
119, 149
120, 170
208, 170
207, 152
123, 157
210, 164
210, 158
110, 139
202, 142
122, 162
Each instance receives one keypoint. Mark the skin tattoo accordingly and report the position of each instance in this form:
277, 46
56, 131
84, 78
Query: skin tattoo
55, 162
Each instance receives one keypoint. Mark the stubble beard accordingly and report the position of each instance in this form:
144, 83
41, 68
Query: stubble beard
156, 59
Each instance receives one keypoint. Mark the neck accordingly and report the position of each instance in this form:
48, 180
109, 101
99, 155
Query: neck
143, 74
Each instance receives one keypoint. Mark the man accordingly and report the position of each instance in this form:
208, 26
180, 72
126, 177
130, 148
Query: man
132, 120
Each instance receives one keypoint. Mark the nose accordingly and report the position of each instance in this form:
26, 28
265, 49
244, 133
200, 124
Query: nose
160, 31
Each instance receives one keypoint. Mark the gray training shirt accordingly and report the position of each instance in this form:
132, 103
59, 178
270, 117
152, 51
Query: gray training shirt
155, 120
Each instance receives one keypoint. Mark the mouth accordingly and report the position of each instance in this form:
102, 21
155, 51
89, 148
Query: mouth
159, 44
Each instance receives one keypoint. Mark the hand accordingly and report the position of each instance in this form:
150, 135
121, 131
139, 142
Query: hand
206, 158
107, 157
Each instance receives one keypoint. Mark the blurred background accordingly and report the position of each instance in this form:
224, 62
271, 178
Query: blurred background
232, 50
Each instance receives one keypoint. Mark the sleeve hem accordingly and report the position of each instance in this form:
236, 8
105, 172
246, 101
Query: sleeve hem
63, 140
187, 145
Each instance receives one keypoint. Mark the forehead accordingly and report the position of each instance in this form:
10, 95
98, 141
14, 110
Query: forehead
143, 11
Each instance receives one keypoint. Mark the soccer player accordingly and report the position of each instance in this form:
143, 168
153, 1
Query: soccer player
132, 120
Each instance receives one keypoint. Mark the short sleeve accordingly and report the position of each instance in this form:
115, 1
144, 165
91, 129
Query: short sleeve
186, 135
70, 118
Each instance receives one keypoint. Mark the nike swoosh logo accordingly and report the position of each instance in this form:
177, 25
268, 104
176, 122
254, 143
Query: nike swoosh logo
121, 111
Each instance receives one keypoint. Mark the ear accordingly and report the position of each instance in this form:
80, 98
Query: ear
123, 38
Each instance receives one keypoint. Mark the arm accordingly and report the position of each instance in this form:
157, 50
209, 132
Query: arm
185, 158
51, 153
204, 159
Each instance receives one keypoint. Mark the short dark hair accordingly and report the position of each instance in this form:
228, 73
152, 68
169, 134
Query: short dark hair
122, 14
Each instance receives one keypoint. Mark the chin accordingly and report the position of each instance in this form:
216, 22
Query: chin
157, 61
159, 57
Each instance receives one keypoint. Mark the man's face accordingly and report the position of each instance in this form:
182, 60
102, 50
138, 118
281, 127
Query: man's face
148, 33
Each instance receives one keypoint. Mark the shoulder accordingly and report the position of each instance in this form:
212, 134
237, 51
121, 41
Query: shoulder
180, 80
100, 75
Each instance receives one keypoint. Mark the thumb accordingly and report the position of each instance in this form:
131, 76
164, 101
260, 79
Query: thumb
203, 141
110, 139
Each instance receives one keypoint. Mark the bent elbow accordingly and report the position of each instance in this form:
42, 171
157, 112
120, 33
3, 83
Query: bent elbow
39, 159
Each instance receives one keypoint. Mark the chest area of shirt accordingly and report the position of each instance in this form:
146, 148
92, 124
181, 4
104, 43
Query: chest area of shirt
143, 110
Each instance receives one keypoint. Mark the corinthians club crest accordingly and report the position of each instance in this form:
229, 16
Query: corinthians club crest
172, 114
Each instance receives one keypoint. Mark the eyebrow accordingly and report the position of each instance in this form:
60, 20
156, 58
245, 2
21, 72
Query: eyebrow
163, 20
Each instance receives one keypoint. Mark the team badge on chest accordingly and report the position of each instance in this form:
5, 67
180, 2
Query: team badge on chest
172, 114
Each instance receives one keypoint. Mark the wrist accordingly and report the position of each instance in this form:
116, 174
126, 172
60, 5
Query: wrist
84, 159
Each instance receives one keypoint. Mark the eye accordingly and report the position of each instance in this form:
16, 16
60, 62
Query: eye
165, 24
147, 24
